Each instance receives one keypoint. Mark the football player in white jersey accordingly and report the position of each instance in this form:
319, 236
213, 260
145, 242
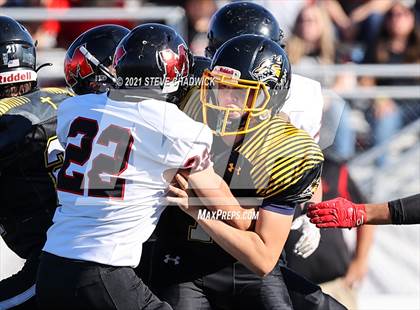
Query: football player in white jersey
118, 146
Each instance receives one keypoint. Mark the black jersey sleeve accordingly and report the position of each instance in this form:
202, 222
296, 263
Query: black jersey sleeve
13, 129
19, 115
405, 210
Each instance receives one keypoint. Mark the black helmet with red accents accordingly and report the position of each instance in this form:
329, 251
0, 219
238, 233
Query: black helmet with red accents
18, 56
87, 61
153, 57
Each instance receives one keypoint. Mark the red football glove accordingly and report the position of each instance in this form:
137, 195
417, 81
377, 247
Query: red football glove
337, 213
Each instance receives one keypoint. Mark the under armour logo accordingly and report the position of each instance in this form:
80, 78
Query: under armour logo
232, 168
168, 259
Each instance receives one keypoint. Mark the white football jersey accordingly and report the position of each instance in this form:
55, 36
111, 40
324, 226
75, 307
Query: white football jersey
111, 184
304, 105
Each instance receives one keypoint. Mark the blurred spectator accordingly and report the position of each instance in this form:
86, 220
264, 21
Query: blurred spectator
417, 10
312, 42
46, 33
398, 42
332, 265
198, 13
358, 19
69, 31
285, 11
19, 3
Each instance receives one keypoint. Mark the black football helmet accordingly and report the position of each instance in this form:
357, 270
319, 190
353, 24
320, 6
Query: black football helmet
154, 57
88, 58
18, 56
248, 83
240, 18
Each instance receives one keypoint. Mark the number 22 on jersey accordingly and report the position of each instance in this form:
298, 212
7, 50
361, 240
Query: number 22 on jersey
101, 164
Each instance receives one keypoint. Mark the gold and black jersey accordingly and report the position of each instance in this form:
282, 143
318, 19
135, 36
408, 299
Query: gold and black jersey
27, 189
278, 161
285, 162
191, 105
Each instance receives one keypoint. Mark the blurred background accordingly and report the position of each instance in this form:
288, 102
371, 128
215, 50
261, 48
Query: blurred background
365, 54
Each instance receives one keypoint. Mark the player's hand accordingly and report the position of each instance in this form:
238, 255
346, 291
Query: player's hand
309, 241
178, 195
337, 213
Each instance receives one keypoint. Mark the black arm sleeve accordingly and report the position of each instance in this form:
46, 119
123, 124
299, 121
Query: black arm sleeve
13, 129
405, 210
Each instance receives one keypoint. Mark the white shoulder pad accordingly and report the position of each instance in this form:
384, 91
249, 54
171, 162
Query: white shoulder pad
304, 105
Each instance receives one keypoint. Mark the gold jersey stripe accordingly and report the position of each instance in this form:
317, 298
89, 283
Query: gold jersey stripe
289, 163
280, 156
275, 136
57, 91
278, 191
260, 134
274, 189
282, 152
275, 123
258, 141
295, 144
275, 171
7, 104
287, 171
293, 177
282, 144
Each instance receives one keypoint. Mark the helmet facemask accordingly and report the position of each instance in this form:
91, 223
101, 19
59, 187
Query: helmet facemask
231, 105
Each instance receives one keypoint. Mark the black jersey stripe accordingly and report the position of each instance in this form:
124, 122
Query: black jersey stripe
280, 145
273, 157
292, 180
289, 173
275, 135
277, 173
294, 176
260, 135
276, 162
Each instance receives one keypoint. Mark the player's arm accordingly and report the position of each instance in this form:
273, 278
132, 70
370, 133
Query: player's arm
212, 191
258, 250
215, 195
